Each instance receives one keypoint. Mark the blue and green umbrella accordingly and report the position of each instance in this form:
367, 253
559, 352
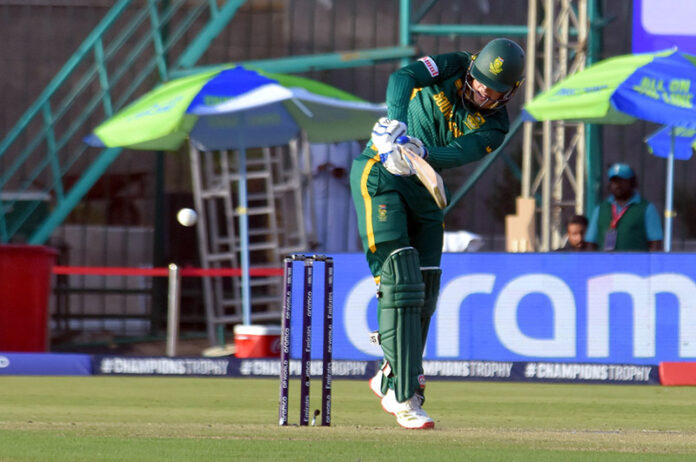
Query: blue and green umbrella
657, 87
238, 108
660, 142
235, 108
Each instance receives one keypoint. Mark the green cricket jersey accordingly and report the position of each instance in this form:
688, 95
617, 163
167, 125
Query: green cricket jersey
427, 96
396, 214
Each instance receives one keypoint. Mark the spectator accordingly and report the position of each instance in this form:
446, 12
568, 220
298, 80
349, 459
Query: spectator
330, 220
576, 228
625, 221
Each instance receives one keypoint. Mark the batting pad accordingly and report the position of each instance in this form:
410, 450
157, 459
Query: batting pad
401, 296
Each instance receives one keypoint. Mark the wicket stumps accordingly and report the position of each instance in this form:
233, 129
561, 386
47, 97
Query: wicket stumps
306, 359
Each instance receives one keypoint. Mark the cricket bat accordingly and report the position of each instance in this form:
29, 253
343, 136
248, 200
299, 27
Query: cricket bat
428, 176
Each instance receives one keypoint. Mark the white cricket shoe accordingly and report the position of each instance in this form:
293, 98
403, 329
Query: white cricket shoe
376, 384
409, 414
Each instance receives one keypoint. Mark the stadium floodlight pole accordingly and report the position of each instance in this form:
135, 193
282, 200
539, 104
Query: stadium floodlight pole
173, 308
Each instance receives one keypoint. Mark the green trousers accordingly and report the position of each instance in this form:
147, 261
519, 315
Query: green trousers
396, 213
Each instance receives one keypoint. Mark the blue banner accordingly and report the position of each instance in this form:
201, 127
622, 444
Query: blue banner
45, 364
553, 372
567, 307
159, 365
662, 24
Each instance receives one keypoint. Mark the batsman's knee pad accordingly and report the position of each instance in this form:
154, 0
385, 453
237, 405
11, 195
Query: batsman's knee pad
401, 295
431, 279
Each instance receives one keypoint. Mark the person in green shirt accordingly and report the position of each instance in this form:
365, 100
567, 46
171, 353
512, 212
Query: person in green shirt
450, 110
625, 221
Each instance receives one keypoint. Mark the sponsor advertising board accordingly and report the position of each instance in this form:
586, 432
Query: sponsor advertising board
553, 307
44, 364
342, 369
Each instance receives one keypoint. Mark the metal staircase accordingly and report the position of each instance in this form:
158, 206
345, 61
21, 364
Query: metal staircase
131, 47
276, 227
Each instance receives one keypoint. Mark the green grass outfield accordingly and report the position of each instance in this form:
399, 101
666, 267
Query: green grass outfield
190, 419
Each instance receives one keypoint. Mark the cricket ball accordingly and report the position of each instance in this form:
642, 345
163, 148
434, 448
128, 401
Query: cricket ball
187, 217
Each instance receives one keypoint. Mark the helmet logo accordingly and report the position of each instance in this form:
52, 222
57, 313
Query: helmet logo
496, 67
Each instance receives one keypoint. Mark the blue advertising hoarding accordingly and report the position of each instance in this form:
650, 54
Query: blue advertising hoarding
662, 24
584, 307
44, 364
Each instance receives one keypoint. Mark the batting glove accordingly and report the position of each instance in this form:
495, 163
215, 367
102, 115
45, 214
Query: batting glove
385, 132
396, 163
413, 144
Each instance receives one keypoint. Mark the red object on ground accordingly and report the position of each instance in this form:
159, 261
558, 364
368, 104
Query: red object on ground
678, 373
257, 341
25, 285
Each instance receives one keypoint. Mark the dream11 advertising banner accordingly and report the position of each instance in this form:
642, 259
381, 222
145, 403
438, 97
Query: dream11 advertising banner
551, 307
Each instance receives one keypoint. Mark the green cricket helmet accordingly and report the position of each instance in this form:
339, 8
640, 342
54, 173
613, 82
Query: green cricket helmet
500, 67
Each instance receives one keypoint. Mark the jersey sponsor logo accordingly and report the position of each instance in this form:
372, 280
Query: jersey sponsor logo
496, 67
421, 380
430, 65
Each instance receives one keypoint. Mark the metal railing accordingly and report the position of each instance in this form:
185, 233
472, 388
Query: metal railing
129, 48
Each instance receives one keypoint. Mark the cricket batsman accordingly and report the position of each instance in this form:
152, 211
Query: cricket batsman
450, 110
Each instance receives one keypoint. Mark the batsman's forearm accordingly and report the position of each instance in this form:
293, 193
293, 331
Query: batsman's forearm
465, 149
449, 157
399, 92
